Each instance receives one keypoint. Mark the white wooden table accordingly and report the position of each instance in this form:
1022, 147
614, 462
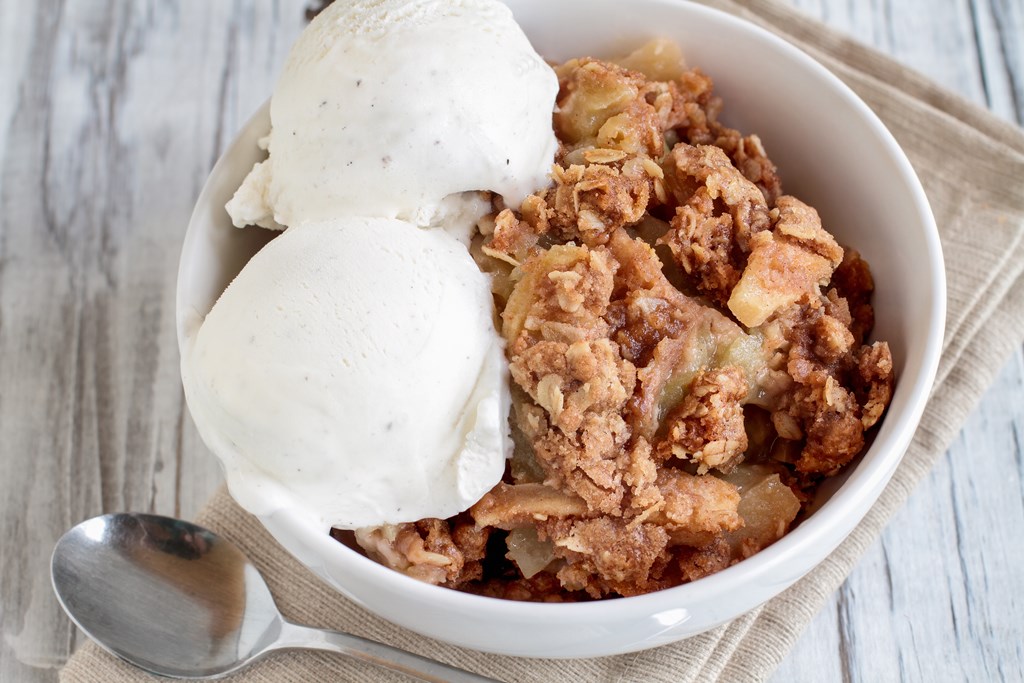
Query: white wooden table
111, 115
941, 596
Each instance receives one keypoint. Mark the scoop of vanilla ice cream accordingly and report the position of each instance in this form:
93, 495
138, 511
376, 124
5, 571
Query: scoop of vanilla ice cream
352, 370
385, 107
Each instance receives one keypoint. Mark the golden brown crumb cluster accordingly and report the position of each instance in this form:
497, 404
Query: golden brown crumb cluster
687, 349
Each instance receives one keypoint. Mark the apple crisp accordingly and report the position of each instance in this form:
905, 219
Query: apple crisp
688, 349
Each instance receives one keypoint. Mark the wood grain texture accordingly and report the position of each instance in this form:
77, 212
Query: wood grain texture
940, 597
112, 114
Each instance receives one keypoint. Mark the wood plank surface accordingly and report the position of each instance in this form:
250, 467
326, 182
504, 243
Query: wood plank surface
941, 596
112, 114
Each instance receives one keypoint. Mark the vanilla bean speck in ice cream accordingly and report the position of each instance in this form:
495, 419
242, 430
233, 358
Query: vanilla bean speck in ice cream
352, 369
385, 107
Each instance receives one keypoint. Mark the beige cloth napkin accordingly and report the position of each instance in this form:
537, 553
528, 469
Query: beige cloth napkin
972, 167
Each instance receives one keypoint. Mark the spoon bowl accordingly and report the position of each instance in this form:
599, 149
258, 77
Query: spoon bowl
177, 600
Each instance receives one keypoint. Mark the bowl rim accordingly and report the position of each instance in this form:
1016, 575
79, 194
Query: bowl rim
842, 512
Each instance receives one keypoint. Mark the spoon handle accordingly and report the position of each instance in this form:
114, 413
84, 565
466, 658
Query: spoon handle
306, 637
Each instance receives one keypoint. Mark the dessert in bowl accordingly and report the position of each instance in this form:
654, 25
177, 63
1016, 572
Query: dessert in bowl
831, 152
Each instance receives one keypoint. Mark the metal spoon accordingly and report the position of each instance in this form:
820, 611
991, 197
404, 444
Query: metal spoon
177, 600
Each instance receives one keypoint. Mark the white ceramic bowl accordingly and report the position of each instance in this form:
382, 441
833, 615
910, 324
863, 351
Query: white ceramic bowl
832, 152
